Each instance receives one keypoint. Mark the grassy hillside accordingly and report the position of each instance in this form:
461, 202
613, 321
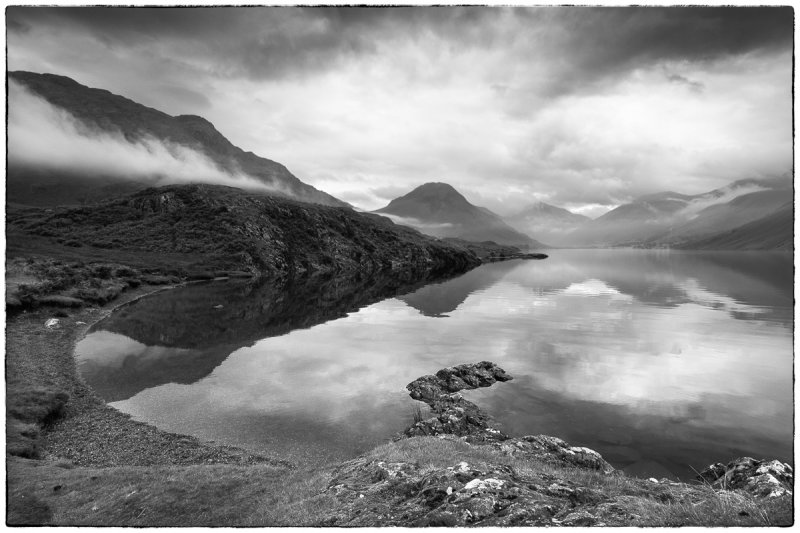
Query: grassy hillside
227, 228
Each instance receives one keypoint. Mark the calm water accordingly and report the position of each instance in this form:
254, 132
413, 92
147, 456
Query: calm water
661, 361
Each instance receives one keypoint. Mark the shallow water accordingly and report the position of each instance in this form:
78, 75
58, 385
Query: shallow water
662, 361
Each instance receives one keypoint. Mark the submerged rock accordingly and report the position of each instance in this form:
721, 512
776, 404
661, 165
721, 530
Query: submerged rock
760, 478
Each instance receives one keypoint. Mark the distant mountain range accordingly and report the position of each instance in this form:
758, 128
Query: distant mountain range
438, 209
670, 219
547, 222
102, 111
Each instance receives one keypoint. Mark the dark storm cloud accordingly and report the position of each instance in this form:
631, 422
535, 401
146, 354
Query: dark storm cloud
606, 42
273, 42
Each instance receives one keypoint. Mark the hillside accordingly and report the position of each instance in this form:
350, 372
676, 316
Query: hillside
726, 216
772, 232
99, 110
548, 222
668, 218
227, 228
440, 210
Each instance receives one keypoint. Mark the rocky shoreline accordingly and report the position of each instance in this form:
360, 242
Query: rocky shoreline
498, 494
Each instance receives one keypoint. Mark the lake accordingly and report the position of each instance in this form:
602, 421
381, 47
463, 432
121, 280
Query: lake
662, 361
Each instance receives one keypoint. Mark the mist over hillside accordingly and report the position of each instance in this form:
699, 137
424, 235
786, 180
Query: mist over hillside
70, 143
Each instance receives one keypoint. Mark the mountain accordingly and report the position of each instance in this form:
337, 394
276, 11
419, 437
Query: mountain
772, 232
548, 222
722, 217
98, 110
438, 209
667, 218
228, 228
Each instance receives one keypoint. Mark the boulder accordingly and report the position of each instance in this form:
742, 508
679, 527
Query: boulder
761, 478
553, 449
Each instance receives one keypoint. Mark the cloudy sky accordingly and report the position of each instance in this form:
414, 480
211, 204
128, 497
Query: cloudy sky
581, 107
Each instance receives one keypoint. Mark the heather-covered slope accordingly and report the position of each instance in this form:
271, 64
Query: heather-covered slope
103, 111
439, 210
227, 228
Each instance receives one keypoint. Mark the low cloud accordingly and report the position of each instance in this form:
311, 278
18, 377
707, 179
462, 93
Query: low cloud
415, 223
695, 86
41, 135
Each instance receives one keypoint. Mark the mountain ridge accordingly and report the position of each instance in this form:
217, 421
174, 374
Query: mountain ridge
104, 111
667, 218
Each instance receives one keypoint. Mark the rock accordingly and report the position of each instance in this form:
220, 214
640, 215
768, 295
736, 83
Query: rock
452, 413
766, 479
456, 378
52, 323
553, 449
402, 494
579, 518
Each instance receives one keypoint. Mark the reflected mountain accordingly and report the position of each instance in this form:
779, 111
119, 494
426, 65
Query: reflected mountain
182, 335
436, 300
741, 282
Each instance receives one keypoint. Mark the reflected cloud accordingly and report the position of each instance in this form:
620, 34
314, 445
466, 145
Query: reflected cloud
639, 353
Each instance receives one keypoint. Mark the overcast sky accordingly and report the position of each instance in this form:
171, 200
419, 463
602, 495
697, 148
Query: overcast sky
581, 107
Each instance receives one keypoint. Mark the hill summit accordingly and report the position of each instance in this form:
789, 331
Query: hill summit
438, 209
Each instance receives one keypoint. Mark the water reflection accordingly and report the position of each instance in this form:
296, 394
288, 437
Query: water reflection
661, 361
182, 335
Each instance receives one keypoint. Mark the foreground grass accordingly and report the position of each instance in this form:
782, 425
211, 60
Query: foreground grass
216, 495
52, 493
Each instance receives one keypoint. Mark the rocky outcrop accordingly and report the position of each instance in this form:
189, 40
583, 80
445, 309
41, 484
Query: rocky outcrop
395, 494
510, 481
760, 478
452, 413
552, 449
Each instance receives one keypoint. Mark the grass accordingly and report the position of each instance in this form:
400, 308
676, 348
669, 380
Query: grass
210, 495
417, 413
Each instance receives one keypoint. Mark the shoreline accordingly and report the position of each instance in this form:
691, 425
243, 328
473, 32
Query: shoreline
90, 432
